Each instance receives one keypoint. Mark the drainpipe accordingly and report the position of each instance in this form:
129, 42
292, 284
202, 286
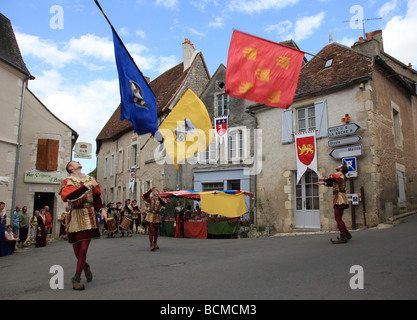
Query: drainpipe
19, 138
255, 164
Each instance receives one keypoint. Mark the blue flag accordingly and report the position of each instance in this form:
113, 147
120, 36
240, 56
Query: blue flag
138, 100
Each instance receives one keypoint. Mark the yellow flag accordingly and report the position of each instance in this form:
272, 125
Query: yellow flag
187, 129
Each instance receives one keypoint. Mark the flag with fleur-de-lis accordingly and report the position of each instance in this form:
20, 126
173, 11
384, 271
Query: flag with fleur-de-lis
262, 71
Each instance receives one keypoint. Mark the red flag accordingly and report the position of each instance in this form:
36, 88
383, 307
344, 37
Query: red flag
262, 71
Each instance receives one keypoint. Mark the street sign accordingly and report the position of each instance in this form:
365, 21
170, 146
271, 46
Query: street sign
352, 167
344, 141
351, 151
343, 130
350, 163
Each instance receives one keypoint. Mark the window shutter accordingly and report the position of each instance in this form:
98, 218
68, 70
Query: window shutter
321, 118
47, 155
129, 163
53, 150
286, 133
42, 154
212, 153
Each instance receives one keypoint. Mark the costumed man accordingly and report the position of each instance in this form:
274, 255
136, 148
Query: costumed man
179, 223
338, 182
111, 220
119, 215
144, 213
153, 218
135, 215
82, 193
127, 214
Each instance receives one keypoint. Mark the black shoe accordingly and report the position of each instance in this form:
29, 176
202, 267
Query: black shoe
339, 240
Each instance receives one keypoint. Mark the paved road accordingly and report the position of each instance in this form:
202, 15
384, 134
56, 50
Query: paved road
290, 267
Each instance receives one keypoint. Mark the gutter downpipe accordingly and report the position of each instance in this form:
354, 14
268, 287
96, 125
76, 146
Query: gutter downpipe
255, 164
19, 138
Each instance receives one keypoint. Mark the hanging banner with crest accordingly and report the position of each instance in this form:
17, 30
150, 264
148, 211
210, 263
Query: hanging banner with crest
221, 129
132, 179
305, 143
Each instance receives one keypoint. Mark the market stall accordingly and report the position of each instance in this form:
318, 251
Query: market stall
229, 204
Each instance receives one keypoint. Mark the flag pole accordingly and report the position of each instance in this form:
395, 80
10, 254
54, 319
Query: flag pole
114, 31
282, 45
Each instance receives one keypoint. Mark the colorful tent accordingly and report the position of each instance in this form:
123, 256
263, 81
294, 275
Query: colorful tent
228, 203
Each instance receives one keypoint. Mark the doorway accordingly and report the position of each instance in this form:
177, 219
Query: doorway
307, 209
233, 185
43, 199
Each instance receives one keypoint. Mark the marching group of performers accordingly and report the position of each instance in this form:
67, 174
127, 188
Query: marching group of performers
123, 218
83, 194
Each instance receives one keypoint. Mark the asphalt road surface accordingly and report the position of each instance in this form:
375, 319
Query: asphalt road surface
287, 267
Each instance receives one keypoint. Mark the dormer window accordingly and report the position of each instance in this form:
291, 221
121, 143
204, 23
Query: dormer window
328, 64
220, 85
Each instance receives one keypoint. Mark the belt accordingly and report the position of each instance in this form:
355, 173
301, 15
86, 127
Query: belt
83, 205
342, 191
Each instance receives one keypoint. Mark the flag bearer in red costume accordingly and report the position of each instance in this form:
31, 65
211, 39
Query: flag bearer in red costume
338, 182
153, 218
82, 193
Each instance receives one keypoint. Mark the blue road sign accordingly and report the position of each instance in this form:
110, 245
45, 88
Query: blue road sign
351, 164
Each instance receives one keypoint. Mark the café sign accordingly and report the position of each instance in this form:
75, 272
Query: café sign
52, 177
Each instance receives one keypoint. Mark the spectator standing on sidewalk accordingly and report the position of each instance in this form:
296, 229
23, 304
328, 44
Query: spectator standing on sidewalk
23, 227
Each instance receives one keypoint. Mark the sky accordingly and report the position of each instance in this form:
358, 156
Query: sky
67, 44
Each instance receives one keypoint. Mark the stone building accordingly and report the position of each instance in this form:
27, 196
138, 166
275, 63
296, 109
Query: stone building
46, 148
35, 145
379, 94
234, 164
14, 77
119, 148
227, 166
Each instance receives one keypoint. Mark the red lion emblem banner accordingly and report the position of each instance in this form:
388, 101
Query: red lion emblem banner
306, 149
305, 143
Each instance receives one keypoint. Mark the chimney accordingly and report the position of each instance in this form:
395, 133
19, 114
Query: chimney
189, 53
376, 35
368, 45
330, 37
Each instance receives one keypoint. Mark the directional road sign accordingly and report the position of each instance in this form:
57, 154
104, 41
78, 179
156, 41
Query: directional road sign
344, 141
351, 151
343, 130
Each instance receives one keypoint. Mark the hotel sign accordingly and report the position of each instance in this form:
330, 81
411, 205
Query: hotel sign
83, 150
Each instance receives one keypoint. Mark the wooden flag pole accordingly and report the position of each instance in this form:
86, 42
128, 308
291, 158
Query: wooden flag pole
114, 30
280, 44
